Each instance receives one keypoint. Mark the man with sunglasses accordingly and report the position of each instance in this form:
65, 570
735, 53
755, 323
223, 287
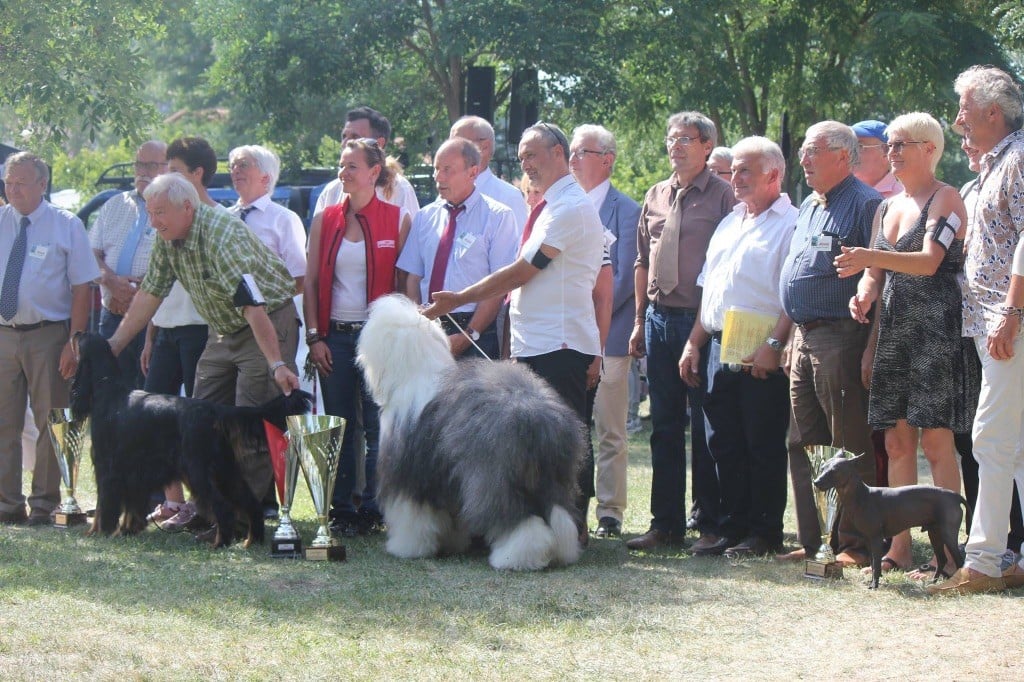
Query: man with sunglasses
678, 217
122, 238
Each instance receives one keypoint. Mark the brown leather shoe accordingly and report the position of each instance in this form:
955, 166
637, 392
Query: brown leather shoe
14, 518
38, 519
711, 545
967, 581
704, 541
750, 547
1013, 577
653, 538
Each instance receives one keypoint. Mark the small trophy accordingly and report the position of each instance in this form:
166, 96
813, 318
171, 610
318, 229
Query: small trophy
286, 543
316, 439
824, 565
71, 441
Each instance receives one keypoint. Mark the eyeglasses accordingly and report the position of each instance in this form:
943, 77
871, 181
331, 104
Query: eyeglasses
684, 140
897, 147
728, 172
241, 164
581, 153
811, 152
880, 145
150, 166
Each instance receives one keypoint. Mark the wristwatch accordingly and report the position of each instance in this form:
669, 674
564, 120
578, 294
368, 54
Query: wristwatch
312, 336
774, 343
473, 334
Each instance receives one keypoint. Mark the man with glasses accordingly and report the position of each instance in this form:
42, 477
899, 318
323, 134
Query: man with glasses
481, 133
364, 123
553, 323
592, 159
678, 217
828, 399
122, 238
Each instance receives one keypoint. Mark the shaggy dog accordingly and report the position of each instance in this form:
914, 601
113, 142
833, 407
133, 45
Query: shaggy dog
468, 449
143, 441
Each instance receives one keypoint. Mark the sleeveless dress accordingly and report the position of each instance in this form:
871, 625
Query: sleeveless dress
918, 373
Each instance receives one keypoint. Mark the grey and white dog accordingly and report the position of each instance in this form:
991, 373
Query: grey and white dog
468, 449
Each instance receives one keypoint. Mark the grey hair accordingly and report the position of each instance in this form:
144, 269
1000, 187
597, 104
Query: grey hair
837, 136
550, 130
920, 126
770, 153
988, 85
467, 149
175, 187
601, 135
28, 159
266, 160
723, 153
480, 127
694, 119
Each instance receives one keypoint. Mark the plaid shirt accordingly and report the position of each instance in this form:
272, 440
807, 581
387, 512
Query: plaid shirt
210, 263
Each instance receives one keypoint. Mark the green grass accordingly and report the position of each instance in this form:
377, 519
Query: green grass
160, 606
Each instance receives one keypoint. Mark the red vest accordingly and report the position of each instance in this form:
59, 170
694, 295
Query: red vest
379, 221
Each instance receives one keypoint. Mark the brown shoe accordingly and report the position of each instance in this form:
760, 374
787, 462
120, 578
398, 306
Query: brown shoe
752, 546
14, 518
711, 545
652, 539
967, 581
38, 519
704, 541
796, 555
1013, 577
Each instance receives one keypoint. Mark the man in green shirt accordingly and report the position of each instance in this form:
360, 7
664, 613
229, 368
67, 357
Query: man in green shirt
242, 290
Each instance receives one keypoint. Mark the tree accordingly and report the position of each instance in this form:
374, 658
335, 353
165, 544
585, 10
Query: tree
75, 64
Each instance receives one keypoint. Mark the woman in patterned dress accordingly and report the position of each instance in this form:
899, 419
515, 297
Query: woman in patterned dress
917, 392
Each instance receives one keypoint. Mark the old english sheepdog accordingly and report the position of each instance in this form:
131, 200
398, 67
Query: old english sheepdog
468, 449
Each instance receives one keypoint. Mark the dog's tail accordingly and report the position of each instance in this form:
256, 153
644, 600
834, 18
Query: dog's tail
275, 411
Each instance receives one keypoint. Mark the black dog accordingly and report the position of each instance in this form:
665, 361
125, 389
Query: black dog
879, 513
143, 441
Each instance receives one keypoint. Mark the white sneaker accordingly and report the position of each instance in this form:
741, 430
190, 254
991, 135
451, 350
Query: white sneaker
163, 511
177, 523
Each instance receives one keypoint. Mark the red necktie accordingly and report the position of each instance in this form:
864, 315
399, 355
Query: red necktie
444, 250
530, 221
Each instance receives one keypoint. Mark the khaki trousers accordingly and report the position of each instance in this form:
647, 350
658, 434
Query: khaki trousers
610, 407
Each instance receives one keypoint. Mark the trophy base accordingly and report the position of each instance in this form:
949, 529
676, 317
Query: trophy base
333, 553
68, 519
820, 570
281, 548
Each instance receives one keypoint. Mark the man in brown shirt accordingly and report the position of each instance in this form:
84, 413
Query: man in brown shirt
678, 217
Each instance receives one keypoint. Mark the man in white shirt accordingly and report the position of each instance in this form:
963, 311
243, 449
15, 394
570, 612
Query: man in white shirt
747, 406
367, 123
481, 133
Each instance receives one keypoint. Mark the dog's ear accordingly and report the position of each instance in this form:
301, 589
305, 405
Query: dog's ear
81, 389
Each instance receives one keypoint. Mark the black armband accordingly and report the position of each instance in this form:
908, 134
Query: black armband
945, 232
540, 261
248, 293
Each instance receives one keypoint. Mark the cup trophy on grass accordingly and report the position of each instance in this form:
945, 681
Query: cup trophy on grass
286, 543
824, 565
316, 440
71, 441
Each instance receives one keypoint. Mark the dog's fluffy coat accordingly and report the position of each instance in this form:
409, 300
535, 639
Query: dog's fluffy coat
468, 449
143, 441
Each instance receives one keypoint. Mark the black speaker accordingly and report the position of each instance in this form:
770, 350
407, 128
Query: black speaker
480, 92
523, 108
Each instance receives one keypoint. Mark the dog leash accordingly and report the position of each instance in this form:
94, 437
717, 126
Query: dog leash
468, 337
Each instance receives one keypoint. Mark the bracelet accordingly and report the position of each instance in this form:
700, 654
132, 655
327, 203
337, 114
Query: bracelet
1011, 310
313, 340
274, 367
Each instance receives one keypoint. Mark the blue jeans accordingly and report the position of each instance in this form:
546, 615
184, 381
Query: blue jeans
666, 333
128, 360
176, 351
346, 395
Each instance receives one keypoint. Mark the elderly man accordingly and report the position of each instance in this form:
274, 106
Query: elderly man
873, 167
991, 116
242, 290
479, 131
122, 239
592, 158
678, 217
747, 409
370, 124
829, 401
456, 242
553, 323
44, 301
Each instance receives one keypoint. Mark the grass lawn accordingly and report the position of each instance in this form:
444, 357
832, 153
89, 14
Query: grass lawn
160, 607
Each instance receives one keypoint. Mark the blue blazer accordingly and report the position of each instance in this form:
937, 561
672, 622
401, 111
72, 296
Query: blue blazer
620, 216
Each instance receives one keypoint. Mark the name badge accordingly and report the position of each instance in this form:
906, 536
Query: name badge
39, 251
386, 244
821, 242
464, 241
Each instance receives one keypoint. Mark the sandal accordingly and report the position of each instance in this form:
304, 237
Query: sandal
887, 564
926, 571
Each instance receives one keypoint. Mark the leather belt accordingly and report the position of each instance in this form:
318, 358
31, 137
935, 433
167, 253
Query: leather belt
672, 310
29, 327
346, 327
814, 324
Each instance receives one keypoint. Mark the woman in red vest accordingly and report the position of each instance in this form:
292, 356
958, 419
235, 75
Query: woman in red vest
353, 247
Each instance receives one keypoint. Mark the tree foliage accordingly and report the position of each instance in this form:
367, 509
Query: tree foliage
75, 65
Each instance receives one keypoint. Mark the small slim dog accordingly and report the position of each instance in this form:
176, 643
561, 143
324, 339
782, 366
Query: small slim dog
143, 441
879, 513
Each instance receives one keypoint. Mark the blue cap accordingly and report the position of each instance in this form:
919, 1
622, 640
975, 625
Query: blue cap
870, 128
